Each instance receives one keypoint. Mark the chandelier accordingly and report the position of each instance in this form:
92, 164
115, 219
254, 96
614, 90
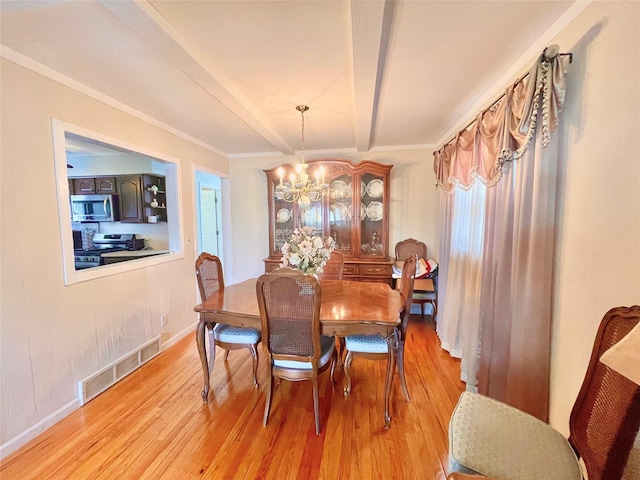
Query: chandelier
301, 189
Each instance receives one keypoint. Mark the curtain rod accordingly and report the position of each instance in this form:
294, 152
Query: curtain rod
518, 80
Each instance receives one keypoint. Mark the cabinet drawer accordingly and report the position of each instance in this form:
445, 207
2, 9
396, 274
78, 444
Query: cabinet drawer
350, 269
378, 270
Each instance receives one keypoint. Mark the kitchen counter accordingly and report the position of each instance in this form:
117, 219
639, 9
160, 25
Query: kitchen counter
124, 255
134, 253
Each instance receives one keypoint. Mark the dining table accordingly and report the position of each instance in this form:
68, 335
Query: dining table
347, 308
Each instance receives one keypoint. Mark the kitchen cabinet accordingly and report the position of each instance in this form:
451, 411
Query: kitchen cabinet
354, 211
105, 184
88, 185
154, 198
130, 192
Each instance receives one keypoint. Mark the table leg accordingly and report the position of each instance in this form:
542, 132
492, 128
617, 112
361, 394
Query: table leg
391, 367
202, 350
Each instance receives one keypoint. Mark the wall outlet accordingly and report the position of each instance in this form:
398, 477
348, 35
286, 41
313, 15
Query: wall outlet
164, 319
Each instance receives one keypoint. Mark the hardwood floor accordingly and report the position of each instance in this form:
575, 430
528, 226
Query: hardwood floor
153, 424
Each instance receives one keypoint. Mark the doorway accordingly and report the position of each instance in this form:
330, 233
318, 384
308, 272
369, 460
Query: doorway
209, 214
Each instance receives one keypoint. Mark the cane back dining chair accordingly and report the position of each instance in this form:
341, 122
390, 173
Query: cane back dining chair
210, 279
289, 303
406, 249
488, 438
375, 347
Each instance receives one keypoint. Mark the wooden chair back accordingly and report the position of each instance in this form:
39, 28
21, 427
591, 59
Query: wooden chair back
410, 247
209, 274
605, 418
334, 267
406, 290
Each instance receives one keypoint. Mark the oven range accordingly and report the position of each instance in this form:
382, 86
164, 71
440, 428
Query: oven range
105, 243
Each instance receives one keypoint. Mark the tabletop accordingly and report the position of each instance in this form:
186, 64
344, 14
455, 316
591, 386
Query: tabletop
344, 304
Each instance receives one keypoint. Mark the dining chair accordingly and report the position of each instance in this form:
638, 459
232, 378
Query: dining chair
375, 347
334, 267
333, 270
488, 438
289, 303
405, 249
210, 279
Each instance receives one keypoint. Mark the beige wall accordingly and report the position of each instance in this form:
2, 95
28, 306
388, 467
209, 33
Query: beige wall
598, 255
52, 335
412, 212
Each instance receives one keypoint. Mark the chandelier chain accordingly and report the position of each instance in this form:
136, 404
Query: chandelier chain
302, 122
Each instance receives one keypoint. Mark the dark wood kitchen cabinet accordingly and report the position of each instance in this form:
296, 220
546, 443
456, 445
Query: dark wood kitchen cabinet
154, 197
142, 198
88, 185
105, 185
130, 191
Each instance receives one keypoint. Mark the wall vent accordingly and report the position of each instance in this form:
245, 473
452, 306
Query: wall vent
93, 385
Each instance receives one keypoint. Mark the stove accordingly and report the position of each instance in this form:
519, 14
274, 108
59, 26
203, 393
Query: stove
105, 243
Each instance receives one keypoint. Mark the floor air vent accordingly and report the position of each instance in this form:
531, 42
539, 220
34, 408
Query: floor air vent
95, 384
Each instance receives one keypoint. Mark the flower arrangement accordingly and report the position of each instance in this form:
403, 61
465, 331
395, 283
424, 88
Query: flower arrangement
306, 251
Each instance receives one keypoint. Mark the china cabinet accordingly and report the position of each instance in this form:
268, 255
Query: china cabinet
354, 211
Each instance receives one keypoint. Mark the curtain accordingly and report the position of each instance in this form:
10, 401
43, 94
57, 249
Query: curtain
516, 294
498, 181
461, 251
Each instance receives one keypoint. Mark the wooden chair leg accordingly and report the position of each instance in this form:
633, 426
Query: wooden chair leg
316, 408
267, 404
403, 379
347, 373
254, 354
212, 350
226, 355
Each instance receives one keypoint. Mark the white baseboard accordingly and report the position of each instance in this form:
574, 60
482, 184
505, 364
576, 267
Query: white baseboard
32, 432
179, 336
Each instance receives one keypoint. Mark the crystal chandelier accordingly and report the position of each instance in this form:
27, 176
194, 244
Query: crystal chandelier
301, 189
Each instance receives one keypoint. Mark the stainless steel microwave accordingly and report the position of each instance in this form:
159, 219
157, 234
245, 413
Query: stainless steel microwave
94, 208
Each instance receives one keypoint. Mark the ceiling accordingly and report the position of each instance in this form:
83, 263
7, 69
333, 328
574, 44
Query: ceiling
229, 74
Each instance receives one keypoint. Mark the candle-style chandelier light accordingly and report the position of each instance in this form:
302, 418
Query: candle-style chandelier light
301, 189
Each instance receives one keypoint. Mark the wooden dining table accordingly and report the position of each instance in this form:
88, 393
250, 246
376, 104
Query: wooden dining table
347, 308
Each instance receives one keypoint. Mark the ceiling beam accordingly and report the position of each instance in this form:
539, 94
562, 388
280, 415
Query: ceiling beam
150, 25
370, 26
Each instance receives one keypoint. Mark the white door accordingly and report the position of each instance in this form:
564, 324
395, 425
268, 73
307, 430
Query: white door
209, 215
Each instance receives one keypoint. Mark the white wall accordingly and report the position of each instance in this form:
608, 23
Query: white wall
412, 212
52, 335
598, 255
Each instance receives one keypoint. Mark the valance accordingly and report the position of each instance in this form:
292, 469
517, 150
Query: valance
503, 132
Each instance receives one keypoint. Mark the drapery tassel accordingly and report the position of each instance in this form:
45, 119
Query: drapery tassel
542, 94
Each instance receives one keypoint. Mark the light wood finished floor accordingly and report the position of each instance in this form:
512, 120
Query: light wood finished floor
153, 424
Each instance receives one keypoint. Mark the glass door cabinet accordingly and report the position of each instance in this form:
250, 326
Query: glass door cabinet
354, 210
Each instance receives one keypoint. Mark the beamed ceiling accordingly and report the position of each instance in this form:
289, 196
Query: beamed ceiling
229, 74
